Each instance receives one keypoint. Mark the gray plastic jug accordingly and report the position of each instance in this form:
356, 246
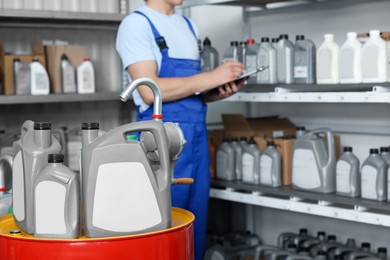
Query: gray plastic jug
251, 163
314, 162
385, 155
382, 253
304, 61
271, 166
233, 52
325, 246
68, 75
209, 56
22, 77
340, 250
5, 174
122, 195
30, 158
226, 161
348, 174
243, 142
57, 200
250, 59
285, 60
267, 57
238, 158
374, 177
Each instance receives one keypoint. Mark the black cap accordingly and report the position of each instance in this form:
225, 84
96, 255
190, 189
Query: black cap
366, 245
206, 42
321, 252
55, 158
321, 234
264, 39
374, 151
270, 143
64, 57
275, 40
224, 140
35, 60
283, 37
291, 245
90, 126
243, 138
16, 59
384, 149
42, 126
303, 231
338, 257
251, 141
382, 250
300, 128
347, 149
300, 37
235, 43
332, 238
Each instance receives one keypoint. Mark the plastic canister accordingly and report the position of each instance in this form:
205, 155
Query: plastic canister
274, 42
374, 177
385, 155
242, 53
226, 161
85, 77
314, 162
57, 201
39, 79
30, 157
300, 130
250, 59
243, 142
271, 166
267, 57
382, 253
232, 53
251, 163
351, 60
366, 247
209, 56
238, 157
304, 61
285, 60
374, 65
68, 77
348, 174
328, 61
22, 77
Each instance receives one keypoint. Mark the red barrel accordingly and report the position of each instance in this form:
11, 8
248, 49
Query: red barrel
170, 244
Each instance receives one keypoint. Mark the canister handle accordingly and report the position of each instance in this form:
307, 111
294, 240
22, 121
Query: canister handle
28, 124
329, 142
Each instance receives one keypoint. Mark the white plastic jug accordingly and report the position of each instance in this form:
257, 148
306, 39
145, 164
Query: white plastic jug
374, 67
39, 79
328, 61
85, 77
351, 60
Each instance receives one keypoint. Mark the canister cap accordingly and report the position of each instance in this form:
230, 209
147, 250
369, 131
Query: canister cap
55, 158
243, 138
382, 250
374, 151
300, 37
283, 37
42, 126
275, 40
384, 149
265, 39
291, 245
300, 128
206, 42
303, 231
250, 41
90, 126
270, 143
366, 245
347, 149
332, 238
252, 141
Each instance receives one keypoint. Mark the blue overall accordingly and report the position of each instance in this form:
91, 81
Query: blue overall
194, 160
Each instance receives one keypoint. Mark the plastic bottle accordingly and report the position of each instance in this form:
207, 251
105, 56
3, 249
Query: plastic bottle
374, 177
285, 60
250, 58
57, 201
243, 142
226, 161
347, 174
267, 57
238, 157
85, 77
68, 77
39, 79
271, 166
328, 61
232, 53
209, 56
366, 247
385, 155
274, 43
382, 253
304, 61
351, 60
30, 157
22, 77
251, 163
242, 53
374, 64
351, 242
300, 130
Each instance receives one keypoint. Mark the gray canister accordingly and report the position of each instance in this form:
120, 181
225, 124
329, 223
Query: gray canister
226, 161
267, 57
238, 157
22, 77
304, 61
348, 174
243, 142
374, 177
251, 163
300, 130
314, 162
385, 155
57, 201
271, 166
30, 157
285, 60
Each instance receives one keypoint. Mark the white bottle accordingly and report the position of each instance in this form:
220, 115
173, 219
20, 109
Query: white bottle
85, 77
328, 61
285, 60
351, 60
53, 5
250, 59
374, 67
68, 82
39, 79
267, 57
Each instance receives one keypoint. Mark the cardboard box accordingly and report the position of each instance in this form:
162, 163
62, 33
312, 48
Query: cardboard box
75, 54
7, 68
215, 139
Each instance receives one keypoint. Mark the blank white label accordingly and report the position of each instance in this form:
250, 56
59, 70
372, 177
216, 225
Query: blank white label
265, 169
343, 170
369, 176
305, 171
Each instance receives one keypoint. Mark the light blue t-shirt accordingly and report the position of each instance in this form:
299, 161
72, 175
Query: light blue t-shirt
135, 41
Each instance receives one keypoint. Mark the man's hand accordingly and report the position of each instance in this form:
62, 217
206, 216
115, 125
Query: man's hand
224, 91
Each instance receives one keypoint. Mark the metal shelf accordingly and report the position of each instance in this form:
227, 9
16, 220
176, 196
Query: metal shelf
56, 19
58, 98
286, 198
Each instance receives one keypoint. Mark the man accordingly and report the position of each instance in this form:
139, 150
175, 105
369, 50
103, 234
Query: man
156, 43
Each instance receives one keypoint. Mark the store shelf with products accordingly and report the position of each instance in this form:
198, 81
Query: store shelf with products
364, 93
288, 199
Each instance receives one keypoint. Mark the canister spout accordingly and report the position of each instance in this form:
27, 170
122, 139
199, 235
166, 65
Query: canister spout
157, 105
